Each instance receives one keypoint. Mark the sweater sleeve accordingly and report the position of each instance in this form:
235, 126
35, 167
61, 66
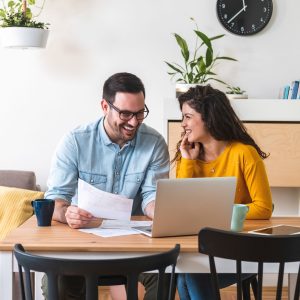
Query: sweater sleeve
258, 185
186, 168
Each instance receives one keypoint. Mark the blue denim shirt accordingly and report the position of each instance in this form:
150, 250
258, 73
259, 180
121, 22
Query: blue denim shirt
88, 153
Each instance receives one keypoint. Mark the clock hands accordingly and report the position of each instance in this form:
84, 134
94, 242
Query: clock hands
243, 9
244, 6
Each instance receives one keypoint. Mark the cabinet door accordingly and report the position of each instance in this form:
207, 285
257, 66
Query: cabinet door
281, 140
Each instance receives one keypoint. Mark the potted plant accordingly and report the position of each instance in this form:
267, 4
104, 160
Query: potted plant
235, 92
19, 29
198, 63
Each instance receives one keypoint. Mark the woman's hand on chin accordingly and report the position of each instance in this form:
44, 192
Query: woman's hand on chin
189, 150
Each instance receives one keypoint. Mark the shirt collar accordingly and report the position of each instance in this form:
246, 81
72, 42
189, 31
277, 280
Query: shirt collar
107, 141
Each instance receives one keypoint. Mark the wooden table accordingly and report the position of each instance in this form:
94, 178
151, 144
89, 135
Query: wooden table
59, 240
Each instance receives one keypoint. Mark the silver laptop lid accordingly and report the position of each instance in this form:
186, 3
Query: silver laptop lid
184, 206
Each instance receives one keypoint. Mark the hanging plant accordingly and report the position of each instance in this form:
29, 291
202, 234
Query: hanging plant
20, 29
18, 13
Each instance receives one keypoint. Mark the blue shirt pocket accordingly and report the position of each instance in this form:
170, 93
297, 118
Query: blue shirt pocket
97, 180
132, 183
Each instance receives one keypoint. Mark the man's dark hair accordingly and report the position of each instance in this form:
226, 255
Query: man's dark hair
122, 82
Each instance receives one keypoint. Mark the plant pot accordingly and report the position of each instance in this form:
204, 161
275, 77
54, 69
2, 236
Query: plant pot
24, 37
183, 87
237, 96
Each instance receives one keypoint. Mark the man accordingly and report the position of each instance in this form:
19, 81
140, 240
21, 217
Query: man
117, 154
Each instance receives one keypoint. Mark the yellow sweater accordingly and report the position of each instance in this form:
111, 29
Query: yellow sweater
243, 162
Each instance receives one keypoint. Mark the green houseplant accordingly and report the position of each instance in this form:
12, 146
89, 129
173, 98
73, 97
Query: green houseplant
198, 62
235, 92
19, 25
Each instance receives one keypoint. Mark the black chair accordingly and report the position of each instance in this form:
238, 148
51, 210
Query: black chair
129, 268
252, 248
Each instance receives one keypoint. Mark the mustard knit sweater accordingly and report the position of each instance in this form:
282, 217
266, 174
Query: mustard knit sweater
243, 162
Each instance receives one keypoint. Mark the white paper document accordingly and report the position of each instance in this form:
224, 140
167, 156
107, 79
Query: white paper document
109, 232
103, 204
110, 228
119, 224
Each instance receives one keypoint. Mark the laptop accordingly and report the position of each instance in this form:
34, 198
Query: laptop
184, 206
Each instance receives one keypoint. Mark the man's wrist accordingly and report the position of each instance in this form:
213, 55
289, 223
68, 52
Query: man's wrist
149, 209
60, 210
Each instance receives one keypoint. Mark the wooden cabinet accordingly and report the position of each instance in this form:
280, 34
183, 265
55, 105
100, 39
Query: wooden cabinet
280, 139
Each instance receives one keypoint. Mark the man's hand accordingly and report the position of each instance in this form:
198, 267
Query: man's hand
74, 216
149, 209
80, 218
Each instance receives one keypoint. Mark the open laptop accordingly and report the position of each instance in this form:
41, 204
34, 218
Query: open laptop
184, 206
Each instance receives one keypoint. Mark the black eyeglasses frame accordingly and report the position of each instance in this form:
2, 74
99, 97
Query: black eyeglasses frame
130, 114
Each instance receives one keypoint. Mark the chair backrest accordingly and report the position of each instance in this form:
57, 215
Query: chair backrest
19, 179
252, 248
91, 269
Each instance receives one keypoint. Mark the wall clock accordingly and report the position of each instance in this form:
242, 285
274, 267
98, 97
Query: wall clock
244, 17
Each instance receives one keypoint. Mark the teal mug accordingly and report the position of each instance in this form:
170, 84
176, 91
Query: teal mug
43, 209
239, 213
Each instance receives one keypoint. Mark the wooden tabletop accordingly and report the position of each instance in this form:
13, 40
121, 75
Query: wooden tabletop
60, 237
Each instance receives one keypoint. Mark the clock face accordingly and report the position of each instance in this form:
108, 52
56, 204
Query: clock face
244, 17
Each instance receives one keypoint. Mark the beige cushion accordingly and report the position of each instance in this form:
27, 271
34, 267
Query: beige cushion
15, 207
18, 179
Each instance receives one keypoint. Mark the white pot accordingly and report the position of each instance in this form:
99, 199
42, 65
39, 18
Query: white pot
237, 96
24, 37
183, 87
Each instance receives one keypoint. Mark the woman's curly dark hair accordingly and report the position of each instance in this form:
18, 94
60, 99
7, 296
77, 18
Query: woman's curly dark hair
218, 116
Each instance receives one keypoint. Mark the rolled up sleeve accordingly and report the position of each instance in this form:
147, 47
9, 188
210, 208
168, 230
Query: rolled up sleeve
158, 168
63, 178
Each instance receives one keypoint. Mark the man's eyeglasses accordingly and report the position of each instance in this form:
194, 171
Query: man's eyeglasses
126, 115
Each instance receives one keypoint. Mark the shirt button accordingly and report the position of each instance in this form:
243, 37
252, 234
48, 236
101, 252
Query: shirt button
92, 180
117, 173
116, 192
138, 180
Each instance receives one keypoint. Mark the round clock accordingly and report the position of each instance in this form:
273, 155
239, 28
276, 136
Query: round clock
244, 17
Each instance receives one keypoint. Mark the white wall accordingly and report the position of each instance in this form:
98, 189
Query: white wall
44, 93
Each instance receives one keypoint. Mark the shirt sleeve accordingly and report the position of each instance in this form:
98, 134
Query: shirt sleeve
259, 189
158, 168
63, 178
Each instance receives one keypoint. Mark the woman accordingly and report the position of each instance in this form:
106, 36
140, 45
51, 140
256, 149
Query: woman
216, 144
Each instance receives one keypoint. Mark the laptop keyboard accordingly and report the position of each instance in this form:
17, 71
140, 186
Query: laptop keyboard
144, 228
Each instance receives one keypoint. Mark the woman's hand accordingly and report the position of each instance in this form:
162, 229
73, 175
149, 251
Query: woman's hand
189, 150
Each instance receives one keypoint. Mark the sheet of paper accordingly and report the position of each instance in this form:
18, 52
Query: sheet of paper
103, 204
109, 232
119, 224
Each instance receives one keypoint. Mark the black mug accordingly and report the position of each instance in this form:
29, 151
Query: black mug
43, 209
